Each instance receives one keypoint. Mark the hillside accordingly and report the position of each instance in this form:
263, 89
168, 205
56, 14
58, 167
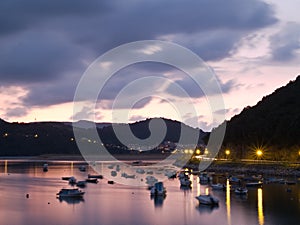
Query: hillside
273, 123
27, 139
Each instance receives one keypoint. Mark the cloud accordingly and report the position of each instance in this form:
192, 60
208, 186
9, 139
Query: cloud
16, 112
285, 43
46, 46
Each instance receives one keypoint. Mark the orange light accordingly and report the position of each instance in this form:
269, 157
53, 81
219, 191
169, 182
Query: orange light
259, 152
227, 152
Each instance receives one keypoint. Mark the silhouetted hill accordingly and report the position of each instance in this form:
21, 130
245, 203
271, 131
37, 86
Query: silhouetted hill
27, 139
273, 123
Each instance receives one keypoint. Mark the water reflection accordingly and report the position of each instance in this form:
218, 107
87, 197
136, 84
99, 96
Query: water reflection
158, 200
198, 186
206, 208
70, 200
228, 202
5, 167
260, 210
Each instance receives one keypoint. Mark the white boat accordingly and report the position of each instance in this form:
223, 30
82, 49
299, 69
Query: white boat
218, 186
207, 200
241, 191
158, 189
70, 192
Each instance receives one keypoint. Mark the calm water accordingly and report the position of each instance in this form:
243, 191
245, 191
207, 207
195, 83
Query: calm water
120, 204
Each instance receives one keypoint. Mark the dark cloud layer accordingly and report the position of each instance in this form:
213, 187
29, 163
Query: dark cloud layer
47, 45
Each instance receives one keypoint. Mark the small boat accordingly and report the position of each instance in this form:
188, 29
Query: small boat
65, 178
218, 186
70, 192
185, 181
204, 178
92, 180
136, 163
95, 176
140, 171
82, 168
45, 167
81, 184
110, 182
290, 182
254, 184
207, 200
241, 191
72, 180
128, 176
158, 189
113, 173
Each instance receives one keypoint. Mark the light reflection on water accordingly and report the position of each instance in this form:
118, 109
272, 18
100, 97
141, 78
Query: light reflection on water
228, 202
120, 204
260, 209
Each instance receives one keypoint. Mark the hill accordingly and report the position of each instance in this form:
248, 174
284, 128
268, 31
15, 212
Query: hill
272, 124
38, 138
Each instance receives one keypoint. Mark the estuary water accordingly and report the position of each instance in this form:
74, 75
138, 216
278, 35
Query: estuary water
28, 197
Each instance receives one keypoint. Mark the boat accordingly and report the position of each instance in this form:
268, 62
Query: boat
185, 181
70, 192
218, 186
92, 180
66, 178
95, 176
241, 191
45, 167
290, 182
72, 180
110, 182
81, 184
82, 168
207, 200
204, 178
127, 175
158, 189
254, 184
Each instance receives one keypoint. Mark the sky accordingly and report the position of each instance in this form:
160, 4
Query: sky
253, 47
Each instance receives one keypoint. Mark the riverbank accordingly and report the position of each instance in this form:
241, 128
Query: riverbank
265, 169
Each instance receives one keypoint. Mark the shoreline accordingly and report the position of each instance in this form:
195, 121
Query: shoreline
286, 169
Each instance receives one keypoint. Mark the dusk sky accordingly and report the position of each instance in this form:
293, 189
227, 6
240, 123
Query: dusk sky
46, 46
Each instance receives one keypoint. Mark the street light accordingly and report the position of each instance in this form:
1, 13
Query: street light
227, 153
259, 153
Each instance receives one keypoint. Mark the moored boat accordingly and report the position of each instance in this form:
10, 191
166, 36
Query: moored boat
45, 167
254, 184
241, 191
81, 183
158, 189
70, 192
92, 180
95, 176
218, 186
72, 180
207, 200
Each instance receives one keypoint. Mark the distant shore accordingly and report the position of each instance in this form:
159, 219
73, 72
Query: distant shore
253, 168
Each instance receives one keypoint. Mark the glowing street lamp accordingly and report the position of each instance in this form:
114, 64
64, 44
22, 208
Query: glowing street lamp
227, 153
259, 153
